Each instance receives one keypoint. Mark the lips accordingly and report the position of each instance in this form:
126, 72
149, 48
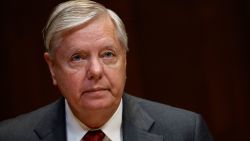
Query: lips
95, 90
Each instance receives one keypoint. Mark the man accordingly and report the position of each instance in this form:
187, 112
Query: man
86, 54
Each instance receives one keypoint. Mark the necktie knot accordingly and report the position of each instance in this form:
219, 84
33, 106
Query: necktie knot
95, 135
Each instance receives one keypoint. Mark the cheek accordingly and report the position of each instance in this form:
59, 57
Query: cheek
69, 82
117, 76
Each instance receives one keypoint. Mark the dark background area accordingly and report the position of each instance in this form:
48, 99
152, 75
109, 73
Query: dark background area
193, 54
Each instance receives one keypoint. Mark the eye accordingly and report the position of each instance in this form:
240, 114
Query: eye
77, 57
108, 54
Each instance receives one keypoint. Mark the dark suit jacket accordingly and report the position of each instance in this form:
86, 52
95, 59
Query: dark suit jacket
143, 120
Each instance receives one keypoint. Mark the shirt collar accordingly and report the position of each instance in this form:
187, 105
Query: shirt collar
76, 129
112, 128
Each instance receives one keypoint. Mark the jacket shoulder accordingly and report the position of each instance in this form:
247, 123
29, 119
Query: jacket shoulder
160, 110
172, 122
23, 125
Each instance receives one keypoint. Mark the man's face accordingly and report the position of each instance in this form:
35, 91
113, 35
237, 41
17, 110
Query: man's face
89, 66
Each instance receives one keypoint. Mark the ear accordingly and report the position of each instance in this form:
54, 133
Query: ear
51, 64
125, 62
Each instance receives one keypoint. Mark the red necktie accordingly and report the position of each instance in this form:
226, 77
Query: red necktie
96, 135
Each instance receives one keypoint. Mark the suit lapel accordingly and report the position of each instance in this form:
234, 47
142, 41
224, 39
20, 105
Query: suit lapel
52, 126
132, 133
136, 122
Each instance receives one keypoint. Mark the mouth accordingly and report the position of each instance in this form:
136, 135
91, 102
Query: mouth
95, 91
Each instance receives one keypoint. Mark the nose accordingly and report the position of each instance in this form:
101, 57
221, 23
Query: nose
95, 70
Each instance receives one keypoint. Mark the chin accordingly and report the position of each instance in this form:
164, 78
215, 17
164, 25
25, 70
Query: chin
97, 104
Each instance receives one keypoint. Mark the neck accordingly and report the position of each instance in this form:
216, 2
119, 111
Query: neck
94, 119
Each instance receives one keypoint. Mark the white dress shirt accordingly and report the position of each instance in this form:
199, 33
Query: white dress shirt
75, 129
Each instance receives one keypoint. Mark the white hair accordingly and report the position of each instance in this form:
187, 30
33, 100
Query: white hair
73, 13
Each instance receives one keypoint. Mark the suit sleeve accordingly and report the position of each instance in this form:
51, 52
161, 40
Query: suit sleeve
201, 132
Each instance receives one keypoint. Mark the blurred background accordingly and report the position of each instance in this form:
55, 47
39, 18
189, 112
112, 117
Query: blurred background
192, 54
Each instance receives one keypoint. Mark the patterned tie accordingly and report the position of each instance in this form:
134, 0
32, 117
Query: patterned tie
96, 135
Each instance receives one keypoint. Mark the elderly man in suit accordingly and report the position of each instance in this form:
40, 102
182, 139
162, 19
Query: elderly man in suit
86, 53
